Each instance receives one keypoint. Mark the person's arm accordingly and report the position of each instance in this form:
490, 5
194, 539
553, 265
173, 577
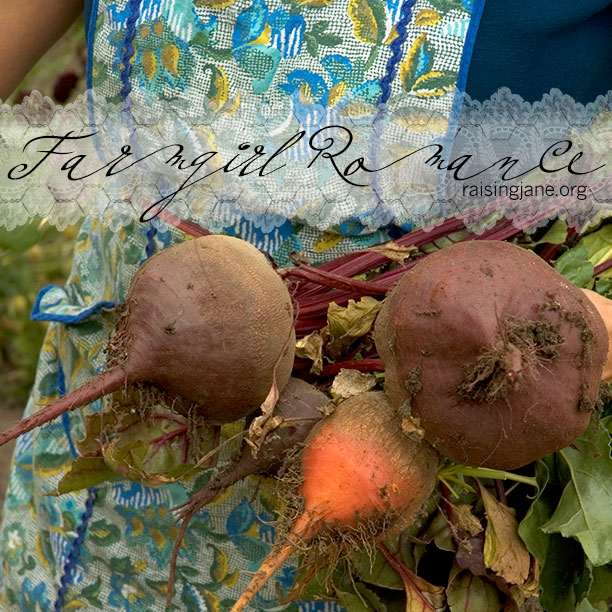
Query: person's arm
604, 307
27, 29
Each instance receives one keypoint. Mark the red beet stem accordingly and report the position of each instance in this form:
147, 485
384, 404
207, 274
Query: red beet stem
103, 383
336, 281
363, 365
405, 574
179, 431
315, 305
550, 251
602, 267
189, 227
307, 326
359, 262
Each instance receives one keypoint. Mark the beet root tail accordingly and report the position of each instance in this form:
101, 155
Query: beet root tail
239, 470
175, 553
100, 385
189, 509
303, 529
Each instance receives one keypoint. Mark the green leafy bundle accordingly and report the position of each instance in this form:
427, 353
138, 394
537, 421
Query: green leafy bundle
542, 543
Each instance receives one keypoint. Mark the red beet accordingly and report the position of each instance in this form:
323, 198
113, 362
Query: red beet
497, 354
208, 320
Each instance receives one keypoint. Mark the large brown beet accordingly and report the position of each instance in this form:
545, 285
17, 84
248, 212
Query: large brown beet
498, 355
208, 321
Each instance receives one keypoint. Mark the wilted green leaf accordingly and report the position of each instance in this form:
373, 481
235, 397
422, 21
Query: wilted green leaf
563, 568
438, 531
601, 587
539, 513
311, 347
585, 606
422, 596
603, 286
393, 251
561, 559
94, 425
584, 509
152, 451
575, 265
598, 245
584, 582
317, 587
504, 551
531, 587
346, 324
84, 472
353, 602
465, 519
371, 597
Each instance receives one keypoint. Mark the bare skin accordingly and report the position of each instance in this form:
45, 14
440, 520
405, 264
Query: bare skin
604, 307
27, 30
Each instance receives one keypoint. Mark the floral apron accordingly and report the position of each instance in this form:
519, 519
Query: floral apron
109, 547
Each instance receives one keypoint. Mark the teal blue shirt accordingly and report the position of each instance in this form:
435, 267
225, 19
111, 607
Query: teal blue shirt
536, 45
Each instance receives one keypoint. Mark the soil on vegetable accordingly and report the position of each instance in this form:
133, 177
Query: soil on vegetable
605, 394
413, 385
522, 347
575, 319
116, 348
428, 313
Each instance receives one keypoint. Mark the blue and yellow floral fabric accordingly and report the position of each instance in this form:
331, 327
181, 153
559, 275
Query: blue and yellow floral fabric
259, 51
124, 530
108, 548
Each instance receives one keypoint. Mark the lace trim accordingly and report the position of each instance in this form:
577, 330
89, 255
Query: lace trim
306, 163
